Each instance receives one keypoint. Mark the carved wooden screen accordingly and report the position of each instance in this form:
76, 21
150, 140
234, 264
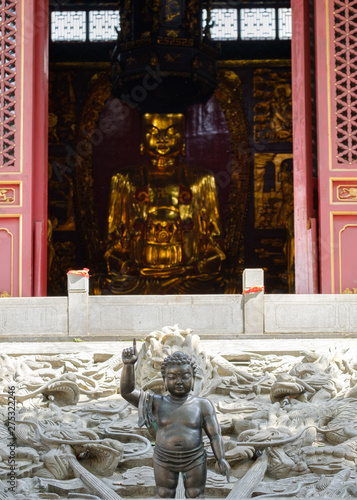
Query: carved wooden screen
8, 43
22, 165
336, 50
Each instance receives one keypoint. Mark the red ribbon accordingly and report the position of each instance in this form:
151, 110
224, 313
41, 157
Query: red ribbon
254, 289
82, 272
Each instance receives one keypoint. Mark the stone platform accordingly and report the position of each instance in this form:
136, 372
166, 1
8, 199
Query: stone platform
252, 314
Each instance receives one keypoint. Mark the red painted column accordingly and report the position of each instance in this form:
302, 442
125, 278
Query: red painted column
336, 75
304, 226
23, 135
40, 156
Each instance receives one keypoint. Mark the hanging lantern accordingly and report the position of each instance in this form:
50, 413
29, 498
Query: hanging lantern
163, 59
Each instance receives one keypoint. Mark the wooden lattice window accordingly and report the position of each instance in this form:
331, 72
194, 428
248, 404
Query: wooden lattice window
345, 37
7, 82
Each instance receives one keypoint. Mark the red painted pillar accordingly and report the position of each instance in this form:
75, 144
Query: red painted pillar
336, 77
40, 158
23, 151
304, 223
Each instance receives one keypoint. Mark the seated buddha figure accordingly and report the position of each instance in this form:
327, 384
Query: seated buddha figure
163, 224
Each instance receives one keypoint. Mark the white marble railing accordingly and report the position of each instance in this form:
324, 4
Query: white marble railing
210, 316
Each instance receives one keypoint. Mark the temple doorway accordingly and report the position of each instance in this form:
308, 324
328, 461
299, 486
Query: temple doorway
243, 134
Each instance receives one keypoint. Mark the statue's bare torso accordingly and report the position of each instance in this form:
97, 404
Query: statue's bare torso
179, 424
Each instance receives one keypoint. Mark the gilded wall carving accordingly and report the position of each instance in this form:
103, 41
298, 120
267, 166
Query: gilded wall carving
273, 180
229, 95
273, 106
62, 108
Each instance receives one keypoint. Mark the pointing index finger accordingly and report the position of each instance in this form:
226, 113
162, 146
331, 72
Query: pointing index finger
134, 345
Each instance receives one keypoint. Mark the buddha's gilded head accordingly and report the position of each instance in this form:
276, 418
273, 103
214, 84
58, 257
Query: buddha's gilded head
163, 134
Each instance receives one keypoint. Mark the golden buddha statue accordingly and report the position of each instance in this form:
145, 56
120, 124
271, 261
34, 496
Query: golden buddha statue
163, 224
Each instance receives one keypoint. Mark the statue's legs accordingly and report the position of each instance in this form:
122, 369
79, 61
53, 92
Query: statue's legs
166, 482
195, 481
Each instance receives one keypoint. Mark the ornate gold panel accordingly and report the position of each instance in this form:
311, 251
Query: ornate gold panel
273, 190
273, 106
343, 191
10, 194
